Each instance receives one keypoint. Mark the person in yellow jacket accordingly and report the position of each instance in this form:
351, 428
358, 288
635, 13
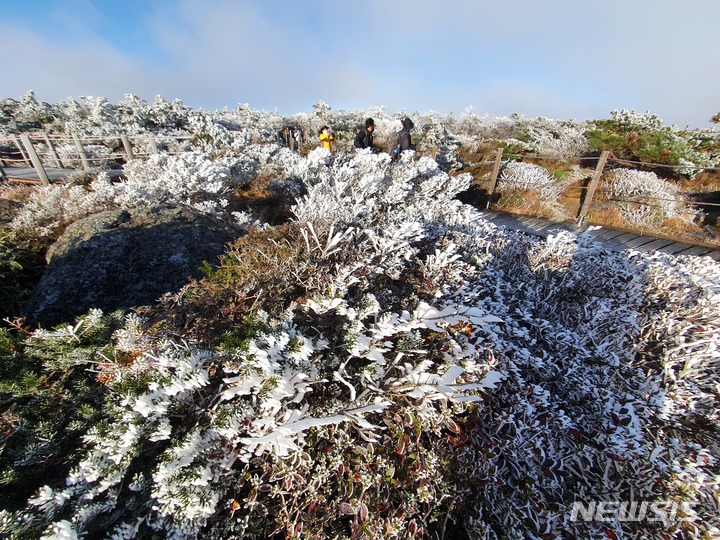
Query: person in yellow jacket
326, 138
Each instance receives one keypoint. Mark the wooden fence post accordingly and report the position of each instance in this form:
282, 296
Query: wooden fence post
83, 154
53, 151
587, 200
20, 148
153, 144
128, 147
494, 175
35, 159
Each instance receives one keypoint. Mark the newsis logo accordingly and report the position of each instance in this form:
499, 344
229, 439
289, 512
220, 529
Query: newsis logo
665, 511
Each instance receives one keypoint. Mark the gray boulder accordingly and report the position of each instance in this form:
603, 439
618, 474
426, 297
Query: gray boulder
123, 259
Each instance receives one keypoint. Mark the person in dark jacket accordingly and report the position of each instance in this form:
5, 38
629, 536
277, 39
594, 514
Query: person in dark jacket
405, 140
364, 138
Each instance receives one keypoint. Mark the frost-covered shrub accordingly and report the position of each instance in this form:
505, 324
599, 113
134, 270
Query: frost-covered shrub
298, 398
213, 138
165, 178
316, 421
647, 199
526, 176
99, 111
498, 127
364, 187
467, 127
599, 394
30, 114
191, 178
134, 115
53, 207
564, 139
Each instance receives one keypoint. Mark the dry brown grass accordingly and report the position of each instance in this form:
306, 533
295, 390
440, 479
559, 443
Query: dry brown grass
703, 182
478, 160
16, 192
609, 216
523, 202
260, 199
265, 268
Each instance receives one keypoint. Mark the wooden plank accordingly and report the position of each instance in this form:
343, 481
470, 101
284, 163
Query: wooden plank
595, 232
127, 145
508, 221
81, 150
675, 248
639, 241
53, 151
654, 245
554, 228
610, 234
621, 241
28, 173
695, 251
27, 181
494, 175
491, 216
609, 238
538, 223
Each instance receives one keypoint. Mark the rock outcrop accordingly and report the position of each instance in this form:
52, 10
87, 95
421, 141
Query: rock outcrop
123, 259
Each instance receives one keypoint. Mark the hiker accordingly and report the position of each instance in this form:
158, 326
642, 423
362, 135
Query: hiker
292, 137
364, 138
326, 138
405, 140
402, 140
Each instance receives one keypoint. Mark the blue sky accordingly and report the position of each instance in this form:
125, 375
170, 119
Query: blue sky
559, 59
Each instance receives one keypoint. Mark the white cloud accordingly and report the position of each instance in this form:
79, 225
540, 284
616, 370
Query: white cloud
556, 58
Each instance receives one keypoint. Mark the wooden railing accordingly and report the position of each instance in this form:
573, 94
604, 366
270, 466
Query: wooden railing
592, 186
40, 151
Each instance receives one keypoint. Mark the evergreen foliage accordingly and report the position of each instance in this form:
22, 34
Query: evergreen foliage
644, 138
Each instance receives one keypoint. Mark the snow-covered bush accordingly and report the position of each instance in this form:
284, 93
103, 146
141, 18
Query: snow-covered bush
364, 187
348, 415
562, 139
526, 176
52, 208
190, 178
647, 200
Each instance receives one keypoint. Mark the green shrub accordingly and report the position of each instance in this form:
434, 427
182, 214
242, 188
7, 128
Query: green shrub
21, 265
643, 137
49, 398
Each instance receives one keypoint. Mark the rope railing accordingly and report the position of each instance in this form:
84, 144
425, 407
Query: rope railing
590, 189
615, 160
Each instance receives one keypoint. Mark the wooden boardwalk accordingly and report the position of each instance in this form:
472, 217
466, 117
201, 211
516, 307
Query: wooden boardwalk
29, 175
610, 238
